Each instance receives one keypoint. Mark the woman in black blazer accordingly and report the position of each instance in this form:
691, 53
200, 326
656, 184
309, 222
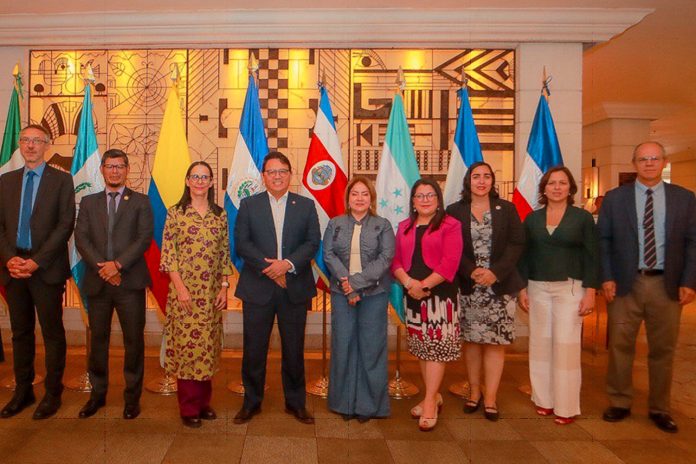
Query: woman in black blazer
489, 282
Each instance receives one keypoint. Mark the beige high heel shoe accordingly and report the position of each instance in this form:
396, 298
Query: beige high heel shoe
417, 410
427, 424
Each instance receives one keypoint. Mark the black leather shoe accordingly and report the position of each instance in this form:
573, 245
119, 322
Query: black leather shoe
91, 407
244, 415
301, 415
664, 422
131, 411
614, 414
364, 419
17, 404
193, 422
48, 406
208, 413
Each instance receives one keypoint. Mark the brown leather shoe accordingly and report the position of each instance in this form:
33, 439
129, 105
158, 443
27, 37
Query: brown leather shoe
19, 401
664, 422
301, 415
245, 415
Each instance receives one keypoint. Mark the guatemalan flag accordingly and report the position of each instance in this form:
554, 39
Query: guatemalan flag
466, 150
245, 172
543, 152
398, 171
87, 179
167, 182
324, 179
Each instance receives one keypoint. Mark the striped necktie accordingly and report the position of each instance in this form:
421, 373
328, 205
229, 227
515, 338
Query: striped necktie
649, 248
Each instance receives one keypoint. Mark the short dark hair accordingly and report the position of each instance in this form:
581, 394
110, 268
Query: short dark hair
436, 220
466, 190
114, 153
545, 180
39, 127
278, 156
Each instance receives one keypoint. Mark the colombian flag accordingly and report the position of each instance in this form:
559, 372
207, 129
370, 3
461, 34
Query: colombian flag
172, 159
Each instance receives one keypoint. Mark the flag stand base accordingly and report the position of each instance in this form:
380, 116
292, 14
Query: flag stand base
80, 383
319, 387
165, 385
460, 389
9, 382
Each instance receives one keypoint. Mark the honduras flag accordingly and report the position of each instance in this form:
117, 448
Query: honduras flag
245, 172
543, 152
87, 179
397, 173
466, 150
324, 179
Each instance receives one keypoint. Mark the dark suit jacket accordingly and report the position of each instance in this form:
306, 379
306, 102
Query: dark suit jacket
132, 235
52, 222
618, 235
255, 239
507, 246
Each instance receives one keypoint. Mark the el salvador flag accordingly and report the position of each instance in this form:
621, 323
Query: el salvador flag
398, 171
245, 172
87, 179
466, 150
543, 152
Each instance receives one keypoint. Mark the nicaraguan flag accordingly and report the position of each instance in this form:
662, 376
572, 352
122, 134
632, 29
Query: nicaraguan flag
543, 152
397, 173
324, 179
167, 183
87, 179
466, 149
245, 172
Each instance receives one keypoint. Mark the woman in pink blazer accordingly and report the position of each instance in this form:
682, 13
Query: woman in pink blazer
426, 259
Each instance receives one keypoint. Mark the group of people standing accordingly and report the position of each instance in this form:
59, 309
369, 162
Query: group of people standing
464, 269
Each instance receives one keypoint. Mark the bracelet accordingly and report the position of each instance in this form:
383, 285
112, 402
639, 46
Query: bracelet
407, 285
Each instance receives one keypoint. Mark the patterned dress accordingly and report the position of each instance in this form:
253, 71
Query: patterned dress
198, 248
433, 322
486, 317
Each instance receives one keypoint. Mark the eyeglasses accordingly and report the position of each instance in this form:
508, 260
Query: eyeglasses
202, 178
34, 140
117, 167
277, 172
425, 196
645, 159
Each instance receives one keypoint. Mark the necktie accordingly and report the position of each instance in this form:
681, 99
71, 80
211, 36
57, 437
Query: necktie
649, 249
112, 218
24, 239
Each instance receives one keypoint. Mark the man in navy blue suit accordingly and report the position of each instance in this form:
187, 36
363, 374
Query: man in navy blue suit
277, 235
648, 249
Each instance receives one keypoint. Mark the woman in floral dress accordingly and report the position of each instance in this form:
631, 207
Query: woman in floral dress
489, 281
196, 255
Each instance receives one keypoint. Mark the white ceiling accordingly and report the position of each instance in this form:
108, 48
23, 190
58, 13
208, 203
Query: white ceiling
649, 71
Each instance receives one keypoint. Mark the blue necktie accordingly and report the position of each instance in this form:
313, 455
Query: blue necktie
24, 240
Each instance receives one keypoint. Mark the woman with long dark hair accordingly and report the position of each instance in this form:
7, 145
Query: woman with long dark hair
488, 282
196, 255
428, 250
561, 264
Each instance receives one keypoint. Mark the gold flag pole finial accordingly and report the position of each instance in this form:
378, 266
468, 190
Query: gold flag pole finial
89, 74
464, 79
15, 71
400, 80
175, 74
253, 64
545, 90
322, 79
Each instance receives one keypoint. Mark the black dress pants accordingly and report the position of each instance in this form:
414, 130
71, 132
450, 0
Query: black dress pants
130, 307
258, 323
23, 296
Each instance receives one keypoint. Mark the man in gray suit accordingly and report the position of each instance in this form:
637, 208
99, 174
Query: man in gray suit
648, 250
114, 228
37, 215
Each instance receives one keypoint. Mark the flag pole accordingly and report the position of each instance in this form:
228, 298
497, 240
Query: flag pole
398, 387
461, 389
165, 385
320, 387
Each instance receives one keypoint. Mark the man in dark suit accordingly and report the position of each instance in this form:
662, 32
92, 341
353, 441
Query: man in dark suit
114, 228
277, 235
37, 215
648, 250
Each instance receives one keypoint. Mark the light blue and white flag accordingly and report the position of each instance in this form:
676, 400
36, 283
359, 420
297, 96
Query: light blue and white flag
466, 149
87, 178
245, 172
398, 171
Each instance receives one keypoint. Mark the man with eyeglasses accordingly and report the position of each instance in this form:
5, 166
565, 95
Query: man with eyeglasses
37, 215
277, 235
648, 251
114, 228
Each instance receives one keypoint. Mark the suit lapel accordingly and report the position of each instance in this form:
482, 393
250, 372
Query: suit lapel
266, 212
14, 201
122, 205
102, 213
496, 213
44, 187
630, 202
669, 210
290, 210
466, 228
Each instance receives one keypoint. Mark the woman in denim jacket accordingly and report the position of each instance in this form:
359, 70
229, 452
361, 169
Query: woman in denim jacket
358, 249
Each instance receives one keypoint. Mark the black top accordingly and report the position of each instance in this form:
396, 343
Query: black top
419, 271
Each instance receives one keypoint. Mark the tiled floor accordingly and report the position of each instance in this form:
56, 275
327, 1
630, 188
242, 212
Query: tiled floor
520, 436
